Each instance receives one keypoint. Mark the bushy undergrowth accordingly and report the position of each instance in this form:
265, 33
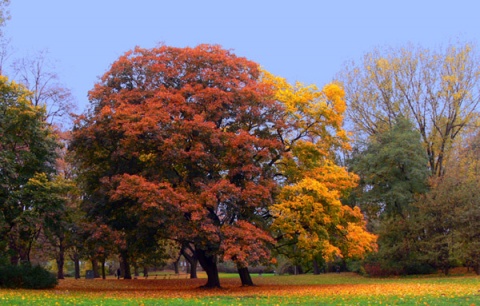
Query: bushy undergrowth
379, 270
26, 276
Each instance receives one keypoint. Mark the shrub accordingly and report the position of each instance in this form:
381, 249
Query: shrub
418, 268
376, 270
356, 266
26, 276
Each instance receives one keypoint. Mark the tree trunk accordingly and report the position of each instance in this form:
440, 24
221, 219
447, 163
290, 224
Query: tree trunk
476, 267
104, 276
135, 270
125, 265
14, 251
298, 269
60, 262
316, 268
95, 268
446, 270
245, 276
193, 262
193, 267
77, 266
175, 266
209, 264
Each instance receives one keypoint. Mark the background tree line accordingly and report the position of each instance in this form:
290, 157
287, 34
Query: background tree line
415, 117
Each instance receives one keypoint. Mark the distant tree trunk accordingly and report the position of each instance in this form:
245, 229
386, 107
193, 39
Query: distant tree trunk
60, 261
104, 276
14, 253
176, 263
76, 260
316, 268
209, 265
135, 270
446, 270
125, 265
175, 267
245, 276
193, 262
95, 268
298, 269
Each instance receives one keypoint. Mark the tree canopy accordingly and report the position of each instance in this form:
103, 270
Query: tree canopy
27, 157
393, 169
182, 140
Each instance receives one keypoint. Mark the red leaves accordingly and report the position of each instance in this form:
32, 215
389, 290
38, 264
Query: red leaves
147, 194
245, 243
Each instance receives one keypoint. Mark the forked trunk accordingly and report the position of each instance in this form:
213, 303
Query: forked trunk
209, 265
192, 263
245, 276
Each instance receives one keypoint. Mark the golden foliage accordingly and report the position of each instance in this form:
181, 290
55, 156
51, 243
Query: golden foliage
308, 211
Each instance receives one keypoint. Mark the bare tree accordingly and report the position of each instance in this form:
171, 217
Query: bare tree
5, 53
439, 91
38, 74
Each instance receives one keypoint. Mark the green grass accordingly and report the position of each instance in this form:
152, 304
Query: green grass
326, 289
258, 300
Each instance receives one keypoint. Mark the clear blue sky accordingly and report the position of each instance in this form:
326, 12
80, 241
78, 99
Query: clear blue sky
301, 40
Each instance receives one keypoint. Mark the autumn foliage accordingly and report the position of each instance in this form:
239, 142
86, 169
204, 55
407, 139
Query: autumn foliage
308, 215
200, 146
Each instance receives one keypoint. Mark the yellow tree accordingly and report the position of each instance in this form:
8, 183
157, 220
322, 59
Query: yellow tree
309, 217
437, 90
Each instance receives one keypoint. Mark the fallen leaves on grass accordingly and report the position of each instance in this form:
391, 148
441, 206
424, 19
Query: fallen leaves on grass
269, 289
190, 288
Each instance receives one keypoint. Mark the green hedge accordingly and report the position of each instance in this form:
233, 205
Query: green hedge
26, 276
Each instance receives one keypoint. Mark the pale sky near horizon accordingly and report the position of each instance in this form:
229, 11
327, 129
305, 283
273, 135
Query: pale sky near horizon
302, 40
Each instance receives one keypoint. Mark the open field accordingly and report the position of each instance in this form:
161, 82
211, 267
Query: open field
326, 289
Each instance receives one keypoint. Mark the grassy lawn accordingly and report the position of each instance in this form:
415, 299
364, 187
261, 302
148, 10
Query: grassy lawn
325, 289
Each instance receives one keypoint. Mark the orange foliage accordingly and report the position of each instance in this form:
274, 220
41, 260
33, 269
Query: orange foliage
181, 140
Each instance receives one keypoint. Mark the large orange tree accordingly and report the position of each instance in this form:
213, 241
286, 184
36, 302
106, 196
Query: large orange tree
181, 143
